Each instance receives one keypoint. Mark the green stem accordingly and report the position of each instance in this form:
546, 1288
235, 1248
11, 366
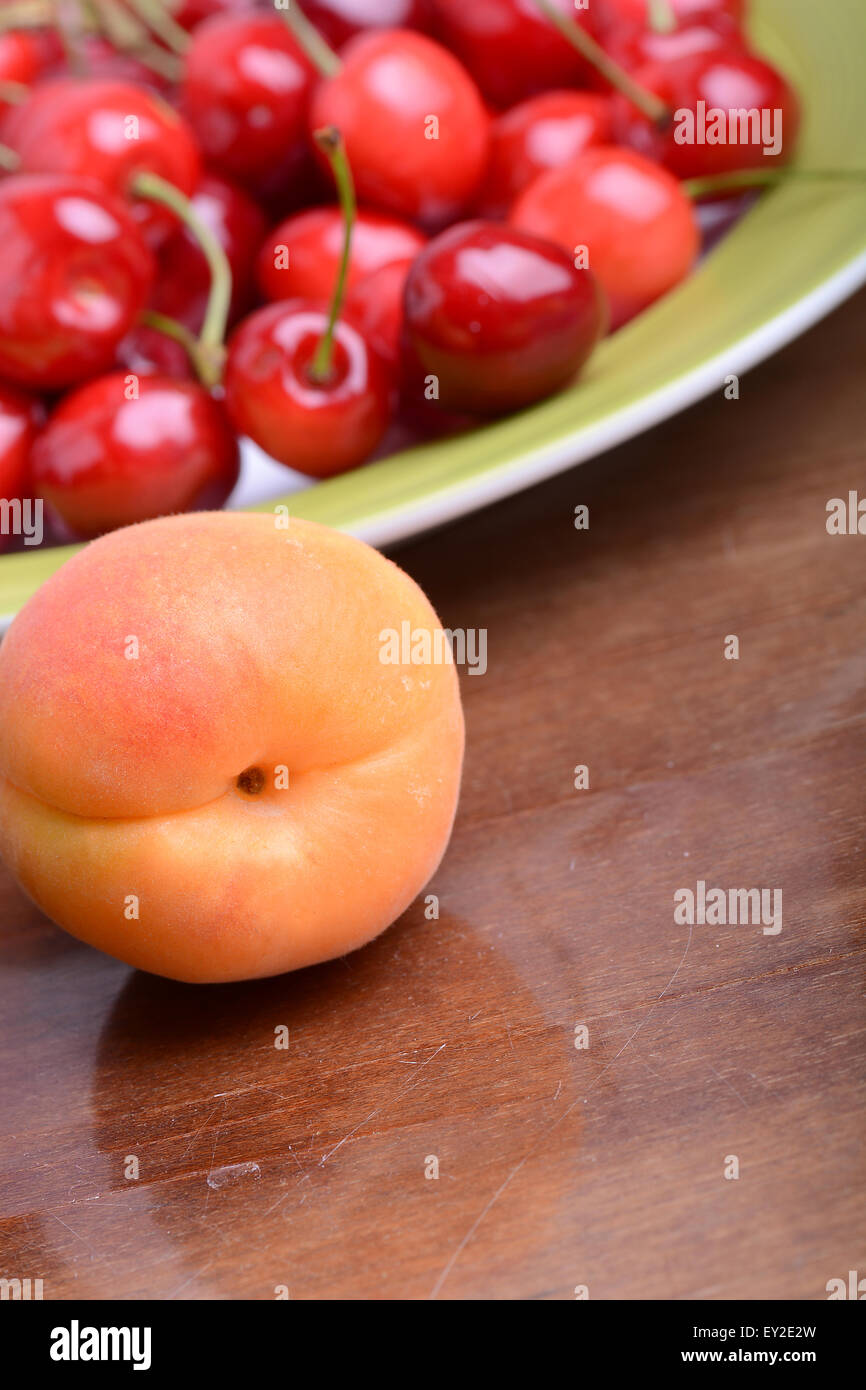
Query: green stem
179, 332
155, 15
330, 141
14, 92
767, 178
660, 16
8, 159
652, 106
210, 344
126, 33
319, 52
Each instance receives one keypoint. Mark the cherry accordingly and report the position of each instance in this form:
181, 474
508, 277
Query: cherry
415, 127
341, 20
635, 48
191, 13
301, 258
146, 351
22, 61
638, 226
499, 317
511, 48
108, 131
124, 449
635, 14
375, 304
184, 278
74, 274
303, 383
18, 423
318, 427
541, 133
245, 91
727, 80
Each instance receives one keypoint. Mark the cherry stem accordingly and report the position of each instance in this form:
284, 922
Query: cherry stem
317, 49
660, 16
652, 106
8, 159
26, 14
330, 141
127, 34
179, 332
156, 16
14, 92
744, 179
210, 345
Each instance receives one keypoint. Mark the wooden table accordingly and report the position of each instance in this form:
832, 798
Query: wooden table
455, 1044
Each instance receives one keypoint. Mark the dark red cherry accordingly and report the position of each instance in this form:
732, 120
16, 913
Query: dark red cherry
499, 318
340, 20
301, 257
511, 48
183, 277
18, 424
124, 449
147, 351
416, 130
318, 427
636, 48
728, 92
75, 273
108, 131
375, 304
190, 13
541, 133
245, 92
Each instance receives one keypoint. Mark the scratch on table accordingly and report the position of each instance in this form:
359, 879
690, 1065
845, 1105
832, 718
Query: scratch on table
70, 1230
555, 1125
323, 1160
727, 1083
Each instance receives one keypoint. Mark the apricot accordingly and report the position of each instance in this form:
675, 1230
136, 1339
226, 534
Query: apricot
207, 768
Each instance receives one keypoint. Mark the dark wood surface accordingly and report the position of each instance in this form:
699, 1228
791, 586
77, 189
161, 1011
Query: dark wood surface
558, 1167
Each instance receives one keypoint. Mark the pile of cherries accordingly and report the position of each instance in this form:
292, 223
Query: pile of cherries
332, 226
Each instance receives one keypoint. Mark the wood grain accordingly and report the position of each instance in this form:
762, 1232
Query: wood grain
455, 1038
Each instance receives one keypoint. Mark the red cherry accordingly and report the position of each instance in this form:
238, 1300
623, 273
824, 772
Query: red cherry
637, 224
124, 449
245, 92
511, 48
340, 20
542, 133
394, 92
18, 424
375, 304
183, 281
74, 274
319, 428
190, 13
102, 61
312, 244
635, 48
633, 14
22, 60
729, 81
502, 319
108, 131
147, 351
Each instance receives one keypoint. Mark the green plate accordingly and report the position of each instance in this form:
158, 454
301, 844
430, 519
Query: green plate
794, 257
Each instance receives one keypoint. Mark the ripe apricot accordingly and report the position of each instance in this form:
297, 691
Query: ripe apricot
206, 767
